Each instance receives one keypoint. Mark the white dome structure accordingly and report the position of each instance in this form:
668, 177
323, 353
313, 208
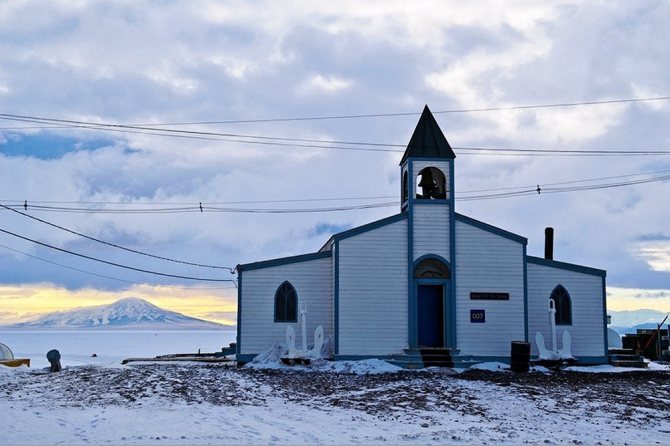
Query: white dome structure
5, 352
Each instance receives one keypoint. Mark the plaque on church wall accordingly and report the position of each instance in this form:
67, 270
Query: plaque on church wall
489, 296
477, 316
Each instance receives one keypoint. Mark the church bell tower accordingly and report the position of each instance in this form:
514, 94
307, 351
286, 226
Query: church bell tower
427, 196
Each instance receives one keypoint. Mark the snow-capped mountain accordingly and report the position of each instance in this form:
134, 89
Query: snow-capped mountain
130, 312
628, 321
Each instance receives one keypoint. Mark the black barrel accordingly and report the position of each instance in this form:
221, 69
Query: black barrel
520, 360
53, 356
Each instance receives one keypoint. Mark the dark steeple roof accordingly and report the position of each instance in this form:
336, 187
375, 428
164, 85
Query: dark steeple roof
428, 141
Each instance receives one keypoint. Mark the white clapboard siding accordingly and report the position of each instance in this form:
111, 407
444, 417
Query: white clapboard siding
373, 291
586, 295
488, 262
313, 282
431, 229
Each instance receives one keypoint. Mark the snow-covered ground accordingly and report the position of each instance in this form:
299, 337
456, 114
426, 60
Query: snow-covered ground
110, 347
372, 403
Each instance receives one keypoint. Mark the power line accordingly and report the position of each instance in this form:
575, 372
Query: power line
113, 263
513, 192
109, 277
293, 200
568, 182
193, 206
201, 209
265, 140
452, 111
540, 190
112, 244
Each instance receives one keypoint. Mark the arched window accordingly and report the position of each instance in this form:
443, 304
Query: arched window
563, 306
286, 303
405, 187
431, 184
431, 268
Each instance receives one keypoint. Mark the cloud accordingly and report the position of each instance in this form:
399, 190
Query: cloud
656, 254
327, 229
327, 85
656, 237
173, 63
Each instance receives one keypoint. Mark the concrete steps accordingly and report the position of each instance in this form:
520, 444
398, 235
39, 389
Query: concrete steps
626, 357
425, 357
438, 357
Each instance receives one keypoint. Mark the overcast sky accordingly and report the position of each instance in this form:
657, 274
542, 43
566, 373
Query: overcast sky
173, 62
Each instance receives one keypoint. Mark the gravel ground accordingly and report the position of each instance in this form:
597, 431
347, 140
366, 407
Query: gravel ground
626, 394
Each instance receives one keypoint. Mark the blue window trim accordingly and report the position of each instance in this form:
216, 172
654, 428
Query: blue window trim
422, 201
369, 227
239, 313
566, 266
287, 321
284, 261
431, 256
404, 188
567, 293
490, 228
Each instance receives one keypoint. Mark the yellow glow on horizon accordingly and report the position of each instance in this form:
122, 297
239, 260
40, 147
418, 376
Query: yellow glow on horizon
24, 302
619, 299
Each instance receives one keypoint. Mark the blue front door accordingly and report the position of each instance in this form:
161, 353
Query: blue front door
431, 315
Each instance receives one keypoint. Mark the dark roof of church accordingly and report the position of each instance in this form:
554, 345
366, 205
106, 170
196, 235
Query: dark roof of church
428, 141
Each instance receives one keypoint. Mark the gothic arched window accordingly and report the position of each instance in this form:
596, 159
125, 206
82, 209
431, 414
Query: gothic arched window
563, 305
431, 268
286, 303
405, 187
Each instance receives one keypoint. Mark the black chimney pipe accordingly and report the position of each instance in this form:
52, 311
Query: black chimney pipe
549, 243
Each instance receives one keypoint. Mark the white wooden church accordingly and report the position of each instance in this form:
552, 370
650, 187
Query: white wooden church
427, 277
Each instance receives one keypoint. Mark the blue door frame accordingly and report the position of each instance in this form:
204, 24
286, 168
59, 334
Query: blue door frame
446, 316
430, 315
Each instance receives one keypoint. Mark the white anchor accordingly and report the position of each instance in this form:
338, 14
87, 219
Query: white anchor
555, 353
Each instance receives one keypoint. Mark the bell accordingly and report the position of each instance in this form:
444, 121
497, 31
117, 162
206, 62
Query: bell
427, 179
427, 184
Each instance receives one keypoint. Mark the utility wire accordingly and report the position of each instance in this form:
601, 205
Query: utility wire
554, 190
199, 209
317, 199
112, 244
319, 144
452, 111
109, 277
294, 200
518, 191
113, 263
566, 182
